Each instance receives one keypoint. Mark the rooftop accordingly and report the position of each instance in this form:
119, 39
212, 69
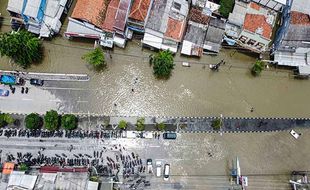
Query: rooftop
121, 15
299, 18
175, 29
195, 34
165, 14
196, 15
139, 9
90, 12
109, 21
18, 180
296, 35
257, 24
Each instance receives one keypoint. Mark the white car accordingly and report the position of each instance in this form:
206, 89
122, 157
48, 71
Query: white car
158, 168
294, 134
166, 172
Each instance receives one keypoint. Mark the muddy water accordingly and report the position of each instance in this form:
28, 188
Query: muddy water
194, 91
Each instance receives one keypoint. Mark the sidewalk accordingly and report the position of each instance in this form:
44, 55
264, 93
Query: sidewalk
187, 124
47, 76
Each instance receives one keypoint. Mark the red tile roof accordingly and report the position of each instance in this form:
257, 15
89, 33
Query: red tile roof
197, 16
109, 20
139, 9
175, 29
252, 22
299, 18
90, 12
254, 6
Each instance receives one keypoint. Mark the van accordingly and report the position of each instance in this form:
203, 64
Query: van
170, 135
166, 172
158, 168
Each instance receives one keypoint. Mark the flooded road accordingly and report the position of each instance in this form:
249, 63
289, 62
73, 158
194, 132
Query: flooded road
196, 91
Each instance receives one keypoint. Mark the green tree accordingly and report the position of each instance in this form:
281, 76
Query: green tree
51, 120
23, 167
257, 68
140, 124
216, 124
122, 124
33, 121
23, 47
69, 121
226, 7
95, 58
161, 126
162, 64
6, 119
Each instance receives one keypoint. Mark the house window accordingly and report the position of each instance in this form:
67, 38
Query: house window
251, 42
243, 39
259, 45
177, 6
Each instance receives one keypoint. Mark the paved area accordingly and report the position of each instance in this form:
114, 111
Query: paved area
198, 161
47, 76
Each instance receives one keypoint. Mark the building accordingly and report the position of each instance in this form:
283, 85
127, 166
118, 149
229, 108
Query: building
64, 178
20, 181
103, 20
300, 180
292, 46
138, 15
214, 36
204, 33
196, 33
251, 26
41, 17
276, 5
166, 24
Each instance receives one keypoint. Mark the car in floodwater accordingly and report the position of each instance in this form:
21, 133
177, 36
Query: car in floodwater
36, 82
4, 92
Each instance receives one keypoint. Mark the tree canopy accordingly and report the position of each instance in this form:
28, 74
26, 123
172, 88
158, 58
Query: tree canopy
226, 7
162, 64
51, 120
95, 58
33, 121
23, 47
216, 124
122, 124
69, 121
140, 124
5, 119
257, 68
161, 126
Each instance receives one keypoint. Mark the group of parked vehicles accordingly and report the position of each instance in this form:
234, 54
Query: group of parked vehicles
12, 80
158, 171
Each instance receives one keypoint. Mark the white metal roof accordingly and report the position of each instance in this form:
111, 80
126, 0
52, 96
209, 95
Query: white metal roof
290, 59
32, 8
304, 70
75, 26
92, 185
186, 48
19, 179
15, 6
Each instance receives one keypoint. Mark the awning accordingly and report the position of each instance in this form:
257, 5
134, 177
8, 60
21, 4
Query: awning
304, 70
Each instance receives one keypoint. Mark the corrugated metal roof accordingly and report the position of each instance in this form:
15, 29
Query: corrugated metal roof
121, 15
